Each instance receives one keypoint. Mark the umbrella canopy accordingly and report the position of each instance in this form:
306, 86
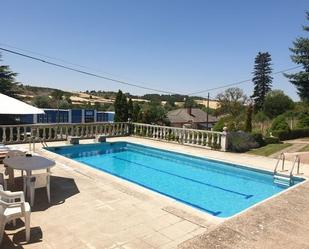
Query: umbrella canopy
9, 105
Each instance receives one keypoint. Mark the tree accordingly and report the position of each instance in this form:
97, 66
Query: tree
154, 113
136, 112
301, 57
64, 104
248, 123
117, 105
261, 118
42, 101
121, 107
57, 96
8, 84
276, 103
262, 79
232, 101
280, 124
303, 121
219, 125
190, 103
124, 108
130, 109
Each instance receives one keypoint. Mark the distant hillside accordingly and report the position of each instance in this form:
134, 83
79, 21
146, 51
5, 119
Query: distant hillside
97, 98
28, 93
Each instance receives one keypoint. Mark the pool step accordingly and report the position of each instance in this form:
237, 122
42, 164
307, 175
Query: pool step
281, 179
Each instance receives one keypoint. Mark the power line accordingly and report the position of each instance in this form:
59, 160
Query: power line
85, 72
61, 60
240, 82
121, 81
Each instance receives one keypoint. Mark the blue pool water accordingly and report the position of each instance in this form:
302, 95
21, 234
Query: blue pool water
218, 188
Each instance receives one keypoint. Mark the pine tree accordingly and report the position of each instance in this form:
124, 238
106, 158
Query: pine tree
262, 79
117, 105
136, 117
248, 123
130, 109
7, 81
301, 56
124, 108
121, 107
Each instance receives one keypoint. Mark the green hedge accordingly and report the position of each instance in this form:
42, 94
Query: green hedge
272, 140
292, 134
258, 137
240, 141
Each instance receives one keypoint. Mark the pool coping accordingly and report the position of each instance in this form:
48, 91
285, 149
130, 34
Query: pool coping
126, 183
185, 205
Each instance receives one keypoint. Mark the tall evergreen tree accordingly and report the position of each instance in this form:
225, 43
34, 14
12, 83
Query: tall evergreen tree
7, 81
248, 122
124, 108
121, 107
301, 56
262, 79
117, 105
136, 112
130, 109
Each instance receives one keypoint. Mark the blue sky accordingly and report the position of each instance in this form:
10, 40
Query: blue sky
176, 45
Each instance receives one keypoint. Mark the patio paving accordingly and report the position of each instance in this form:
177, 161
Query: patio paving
282, 222
92, 209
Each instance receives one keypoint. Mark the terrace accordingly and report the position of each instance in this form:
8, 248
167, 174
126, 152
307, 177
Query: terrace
93, 209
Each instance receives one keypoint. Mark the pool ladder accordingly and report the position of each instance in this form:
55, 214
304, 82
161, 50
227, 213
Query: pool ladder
285, 179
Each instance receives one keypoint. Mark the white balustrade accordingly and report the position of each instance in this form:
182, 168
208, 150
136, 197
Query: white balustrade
10, 134
193, 137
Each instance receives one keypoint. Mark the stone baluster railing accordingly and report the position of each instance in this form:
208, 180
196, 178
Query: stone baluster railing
10, 134
200, 138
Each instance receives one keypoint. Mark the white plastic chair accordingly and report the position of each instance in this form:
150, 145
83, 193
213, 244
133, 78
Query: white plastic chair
35, 181
8, 170
12, 207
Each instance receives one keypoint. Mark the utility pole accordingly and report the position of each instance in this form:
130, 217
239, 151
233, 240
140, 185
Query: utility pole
207, 111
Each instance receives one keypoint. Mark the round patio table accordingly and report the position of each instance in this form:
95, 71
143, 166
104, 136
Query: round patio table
29, 163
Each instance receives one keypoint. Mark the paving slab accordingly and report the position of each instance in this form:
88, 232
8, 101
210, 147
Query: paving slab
92, 209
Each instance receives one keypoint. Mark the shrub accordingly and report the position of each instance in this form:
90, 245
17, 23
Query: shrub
241, 141
292, 134
303, 121
219, 125
276, 103
272, 140
258, 137
280, 124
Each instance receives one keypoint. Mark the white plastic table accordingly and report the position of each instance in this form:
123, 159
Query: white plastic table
29, 163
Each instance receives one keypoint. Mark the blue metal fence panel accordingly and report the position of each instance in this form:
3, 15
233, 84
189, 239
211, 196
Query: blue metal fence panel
53, 116
76, 116
26, 119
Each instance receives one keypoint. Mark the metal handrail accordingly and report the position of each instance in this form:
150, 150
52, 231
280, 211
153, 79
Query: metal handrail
297, 159
282, 165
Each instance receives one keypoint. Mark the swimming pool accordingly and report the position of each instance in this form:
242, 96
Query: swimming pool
220, 189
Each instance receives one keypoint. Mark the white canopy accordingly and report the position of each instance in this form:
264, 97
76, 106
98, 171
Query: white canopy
10, 105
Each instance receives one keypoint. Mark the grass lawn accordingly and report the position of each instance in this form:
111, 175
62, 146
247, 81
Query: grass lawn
306, 148
269, 149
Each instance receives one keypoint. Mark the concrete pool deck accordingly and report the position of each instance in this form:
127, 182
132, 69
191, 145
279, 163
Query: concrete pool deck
92, 209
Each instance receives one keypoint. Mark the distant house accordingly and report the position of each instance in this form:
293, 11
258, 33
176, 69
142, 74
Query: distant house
191, 118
